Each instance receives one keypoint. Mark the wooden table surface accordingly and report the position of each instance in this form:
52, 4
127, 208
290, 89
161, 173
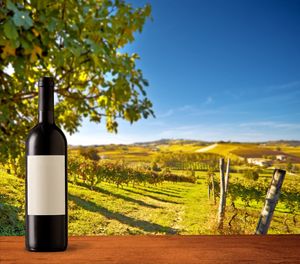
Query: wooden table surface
160, 249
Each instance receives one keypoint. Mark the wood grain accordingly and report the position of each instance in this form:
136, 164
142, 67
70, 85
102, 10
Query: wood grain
161, 249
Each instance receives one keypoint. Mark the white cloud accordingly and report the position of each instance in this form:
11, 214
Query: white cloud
168, 113
186, 108
271, 124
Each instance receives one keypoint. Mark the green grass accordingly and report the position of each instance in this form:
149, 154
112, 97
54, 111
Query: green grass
199, 216
121, 211
168, 208
107, 210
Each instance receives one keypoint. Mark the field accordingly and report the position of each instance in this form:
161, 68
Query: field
164, 209
101, 207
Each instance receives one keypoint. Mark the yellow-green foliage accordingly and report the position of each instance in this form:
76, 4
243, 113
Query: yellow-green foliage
12, 204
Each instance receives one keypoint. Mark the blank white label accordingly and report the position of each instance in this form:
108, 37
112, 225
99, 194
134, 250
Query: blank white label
46, 185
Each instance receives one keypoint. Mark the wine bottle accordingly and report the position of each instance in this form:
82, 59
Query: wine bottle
46, 178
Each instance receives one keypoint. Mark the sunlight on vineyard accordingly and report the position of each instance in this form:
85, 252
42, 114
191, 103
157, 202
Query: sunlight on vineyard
164, 188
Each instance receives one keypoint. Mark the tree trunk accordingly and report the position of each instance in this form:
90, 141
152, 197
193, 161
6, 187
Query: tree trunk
221, 213
270, 203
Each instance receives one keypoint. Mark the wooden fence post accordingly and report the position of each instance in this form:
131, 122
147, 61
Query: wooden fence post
213, 187
211, 184
227, 175
221, 212
270, 202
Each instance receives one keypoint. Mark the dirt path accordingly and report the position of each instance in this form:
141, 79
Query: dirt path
205, 149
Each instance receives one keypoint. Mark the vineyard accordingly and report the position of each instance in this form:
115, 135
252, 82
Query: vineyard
188, 161
93, 172
156, 190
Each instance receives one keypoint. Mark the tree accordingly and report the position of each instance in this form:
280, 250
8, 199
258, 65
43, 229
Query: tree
155, 167
89, 153
289, 166
278, 148
79, 43
251, 174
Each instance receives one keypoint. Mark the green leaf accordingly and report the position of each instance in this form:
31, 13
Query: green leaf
11, 6
10, 30
22, 19
52, 24
15, 43
19, 66
25, 43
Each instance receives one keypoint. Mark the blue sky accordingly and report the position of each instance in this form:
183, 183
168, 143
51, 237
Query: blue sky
218, 70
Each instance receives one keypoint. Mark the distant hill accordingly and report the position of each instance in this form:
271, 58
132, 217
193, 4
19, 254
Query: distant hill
292, 143
173, 141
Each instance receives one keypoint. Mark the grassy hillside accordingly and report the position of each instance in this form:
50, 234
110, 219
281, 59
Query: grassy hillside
225, 150
167, 208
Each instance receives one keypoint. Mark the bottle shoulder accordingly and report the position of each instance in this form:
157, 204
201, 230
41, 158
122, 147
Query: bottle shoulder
46, 137
46, 130
61, 133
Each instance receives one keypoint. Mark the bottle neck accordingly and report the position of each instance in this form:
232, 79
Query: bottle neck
46, 117
46, 104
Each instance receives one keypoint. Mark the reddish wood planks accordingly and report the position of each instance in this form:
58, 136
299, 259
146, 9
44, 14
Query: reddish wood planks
161, 249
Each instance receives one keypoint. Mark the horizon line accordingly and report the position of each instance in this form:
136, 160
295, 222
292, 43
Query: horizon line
182, 139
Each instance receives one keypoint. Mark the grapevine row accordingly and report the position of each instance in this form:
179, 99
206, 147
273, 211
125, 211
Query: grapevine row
93, 172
